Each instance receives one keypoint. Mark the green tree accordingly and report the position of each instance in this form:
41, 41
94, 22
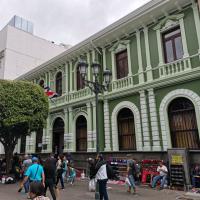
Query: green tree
23, 109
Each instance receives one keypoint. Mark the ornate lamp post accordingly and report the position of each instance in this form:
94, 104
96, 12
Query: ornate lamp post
95, 86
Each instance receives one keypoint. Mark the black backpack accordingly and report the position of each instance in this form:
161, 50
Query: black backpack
111, 173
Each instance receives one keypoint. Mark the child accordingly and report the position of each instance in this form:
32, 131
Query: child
72, 175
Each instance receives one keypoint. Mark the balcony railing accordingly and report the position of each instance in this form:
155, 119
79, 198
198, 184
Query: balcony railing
79, 94
174, 67
122, 83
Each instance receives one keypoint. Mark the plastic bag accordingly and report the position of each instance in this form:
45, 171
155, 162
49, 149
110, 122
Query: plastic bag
127, 182
92, 185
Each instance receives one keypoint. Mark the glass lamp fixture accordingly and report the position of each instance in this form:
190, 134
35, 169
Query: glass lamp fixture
96, 68
82, 66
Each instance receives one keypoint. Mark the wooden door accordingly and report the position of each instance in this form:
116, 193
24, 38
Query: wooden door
183, 124
81, 134
126, 130
122, 64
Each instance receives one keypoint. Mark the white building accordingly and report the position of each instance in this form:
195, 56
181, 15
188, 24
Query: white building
21, 50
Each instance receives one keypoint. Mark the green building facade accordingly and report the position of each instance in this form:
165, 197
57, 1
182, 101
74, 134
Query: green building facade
153, 102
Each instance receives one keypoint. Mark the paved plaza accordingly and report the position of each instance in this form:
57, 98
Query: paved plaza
80, 192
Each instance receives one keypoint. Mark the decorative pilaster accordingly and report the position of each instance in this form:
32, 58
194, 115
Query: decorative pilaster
66, 128
94, 125
184, 39
47, 138
197, 21
46, 83
145, 122
148, 58
154, 121
66, 81
160, 51
71, 136
107, 126
113, 66
93, 59
104, 58
90, 147
71, 75
52, 80
89, 67
129, 59
140, 70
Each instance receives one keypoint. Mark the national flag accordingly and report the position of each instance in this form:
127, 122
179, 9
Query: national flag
51, 94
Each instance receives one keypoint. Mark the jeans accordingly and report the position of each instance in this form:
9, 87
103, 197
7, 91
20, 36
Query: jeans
102, 189
156, 179
26, 186
131, 180
50, 183
60, 177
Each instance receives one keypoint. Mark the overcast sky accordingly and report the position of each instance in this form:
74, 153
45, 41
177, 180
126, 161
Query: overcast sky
67, 21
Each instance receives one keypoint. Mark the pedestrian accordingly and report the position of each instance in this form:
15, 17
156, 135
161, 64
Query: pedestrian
72, 175
49, 171
59, 171
131, 173
65, 162
101, 177
195, 177
92, 183
37, 191
162, 169
26, 164
34, 173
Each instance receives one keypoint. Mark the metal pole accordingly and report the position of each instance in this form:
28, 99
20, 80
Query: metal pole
97, 124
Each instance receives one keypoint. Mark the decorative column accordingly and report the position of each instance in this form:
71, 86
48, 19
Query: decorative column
93, 59
52, 80
104, 58
197, 21
71, 75
47, 137
140, 70
46, 83
94, 125
129, 59
160, 50
113, 66
183, 36
90, 147
89, 66
154, 121
148, 58
66, 80
107, 126
66, 133
71, 136
145, 122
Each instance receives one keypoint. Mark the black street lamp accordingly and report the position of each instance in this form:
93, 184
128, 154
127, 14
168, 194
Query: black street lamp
95, 86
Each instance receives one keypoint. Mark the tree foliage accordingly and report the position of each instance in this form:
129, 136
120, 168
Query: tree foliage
23, 109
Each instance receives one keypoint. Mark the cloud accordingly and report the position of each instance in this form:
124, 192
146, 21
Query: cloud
67, 21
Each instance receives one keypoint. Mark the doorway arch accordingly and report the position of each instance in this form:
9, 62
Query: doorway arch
58, 136
183, 124
81, 134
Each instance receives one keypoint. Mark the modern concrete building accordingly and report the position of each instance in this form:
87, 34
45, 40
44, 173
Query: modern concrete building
21, 50
154, 98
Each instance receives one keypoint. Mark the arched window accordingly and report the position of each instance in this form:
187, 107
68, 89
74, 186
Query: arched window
183, 124
81, 134
126, 130
59, 83
58, 136
80, 82
41, 83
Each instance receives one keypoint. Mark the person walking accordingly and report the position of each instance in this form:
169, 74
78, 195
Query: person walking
65, 162
59, 171
26, 164
162, 169
35, 173
101, 177
131, 173
37, 191
49, 171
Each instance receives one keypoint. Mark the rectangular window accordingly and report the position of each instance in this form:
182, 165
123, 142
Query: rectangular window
172, 45
122, 64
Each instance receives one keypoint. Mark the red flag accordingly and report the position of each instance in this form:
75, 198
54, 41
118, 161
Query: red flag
51, 94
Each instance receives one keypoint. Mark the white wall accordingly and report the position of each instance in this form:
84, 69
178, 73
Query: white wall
24, 51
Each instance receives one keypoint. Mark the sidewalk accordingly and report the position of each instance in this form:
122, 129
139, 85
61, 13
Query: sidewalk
80, 192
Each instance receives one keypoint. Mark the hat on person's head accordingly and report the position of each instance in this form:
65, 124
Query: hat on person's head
34, 159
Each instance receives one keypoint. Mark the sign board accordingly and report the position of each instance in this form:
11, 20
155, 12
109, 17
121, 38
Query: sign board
177, 159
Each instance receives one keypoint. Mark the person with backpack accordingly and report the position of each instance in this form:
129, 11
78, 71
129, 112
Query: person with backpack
59, 171
131, 173
102, 177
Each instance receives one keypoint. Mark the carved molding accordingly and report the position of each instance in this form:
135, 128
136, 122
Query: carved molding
119, 46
